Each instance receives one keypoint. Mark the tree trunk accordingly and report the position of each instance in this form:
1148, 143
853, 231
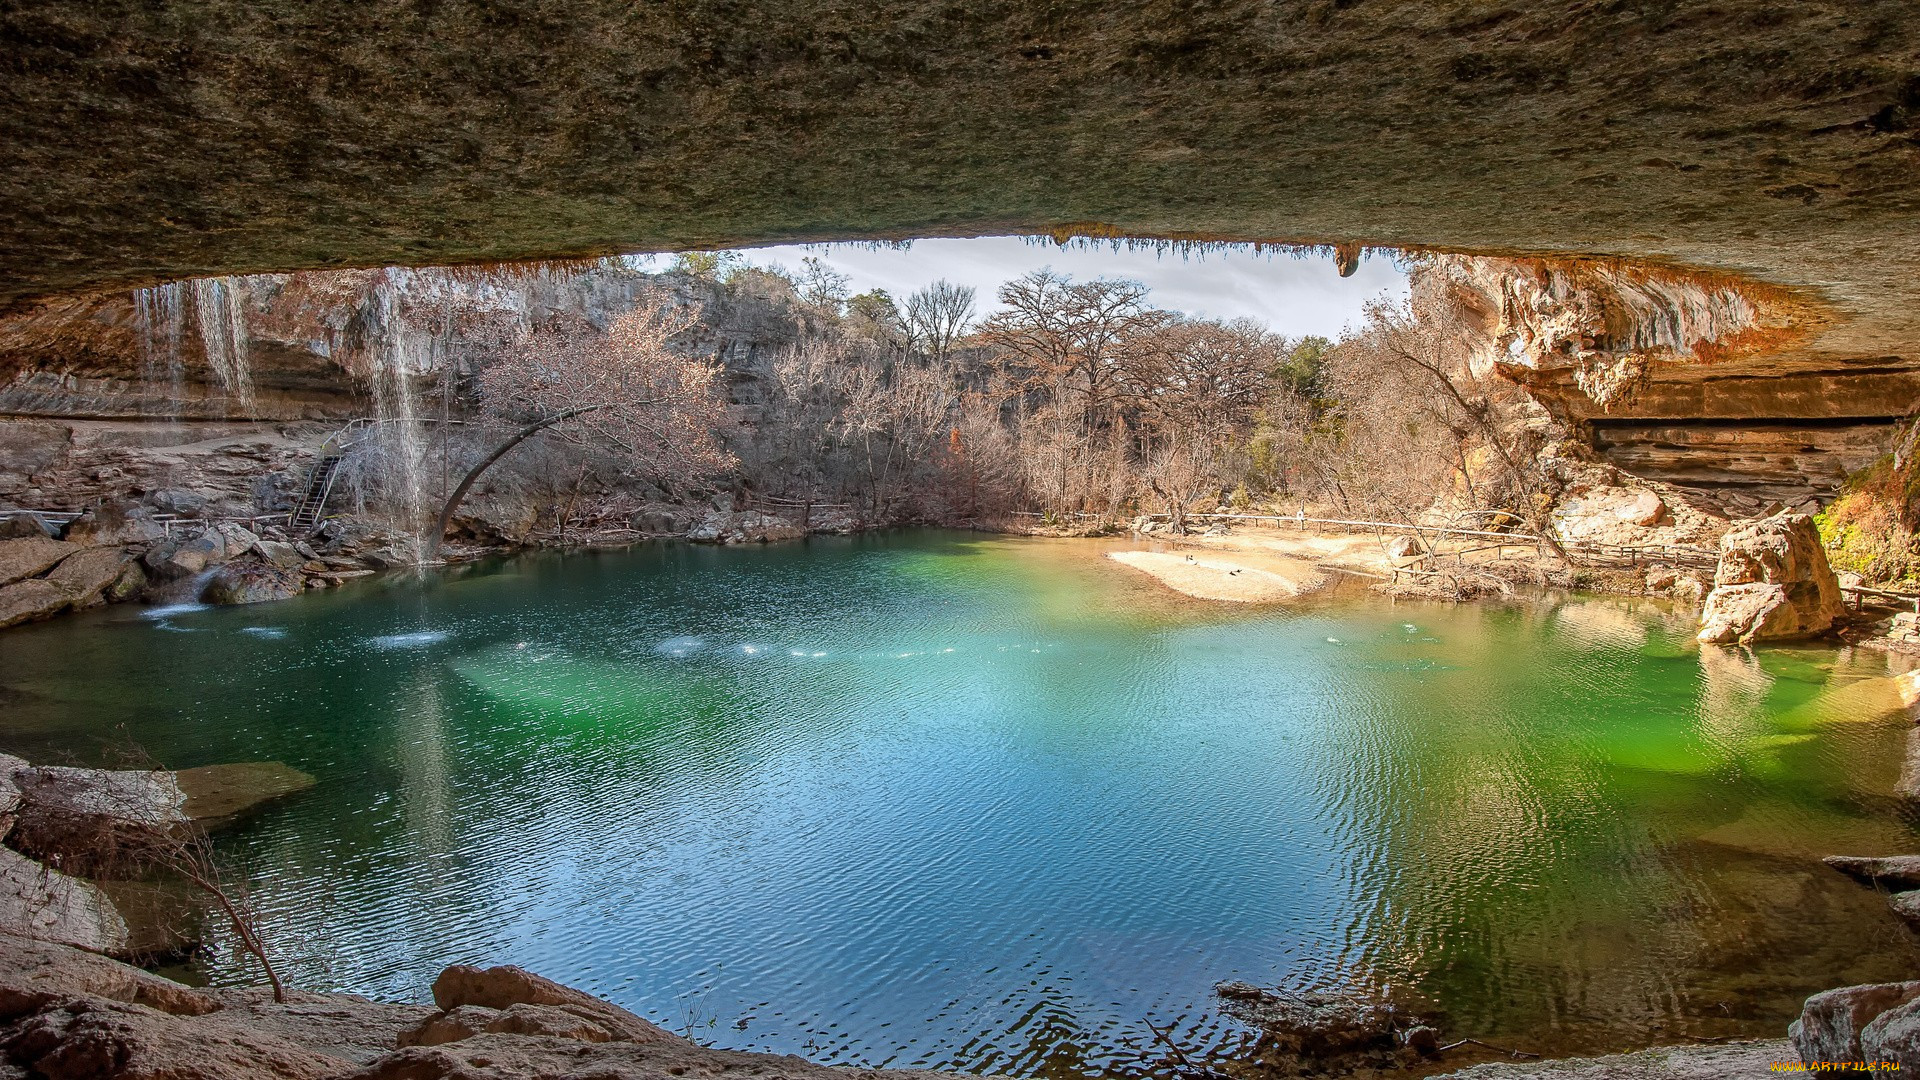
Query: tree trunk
453, 501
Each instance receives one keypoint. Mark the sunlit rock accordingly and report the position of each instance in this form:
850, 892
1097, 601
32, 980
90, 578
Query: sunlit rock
1773, 582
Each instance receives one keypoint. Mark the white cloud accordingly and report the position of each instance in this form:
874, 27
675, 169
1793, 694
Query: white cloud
1293, 295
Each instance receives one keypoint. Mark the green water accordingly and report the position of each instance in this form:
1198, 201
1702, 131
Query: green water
937, 799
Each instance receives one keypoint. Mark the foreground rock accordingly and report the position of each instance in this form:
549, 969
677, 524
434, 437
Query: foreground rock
1773, 583
1830, 1026
1741, 1059
509, 999
66, 1014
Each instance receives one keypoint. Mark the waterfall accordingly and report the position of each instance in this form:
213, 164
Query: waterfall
392, 364
219, 306
161, 318
220, 316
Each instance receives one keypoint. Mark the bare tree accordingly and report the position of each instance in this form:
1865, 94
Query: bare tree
625, 389
937, 316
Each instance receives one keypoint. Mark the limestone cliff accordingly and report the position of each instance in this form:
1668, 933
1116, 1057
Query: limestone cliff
1700, 380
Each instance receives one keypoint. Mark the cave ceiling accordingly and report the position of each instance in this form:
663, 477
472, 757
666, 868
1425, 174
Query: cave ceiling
1778, 141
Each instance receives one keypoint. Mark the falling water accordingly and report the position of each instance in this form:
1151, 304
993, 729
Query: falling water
393, 359
219, 306
160, 311
219, 313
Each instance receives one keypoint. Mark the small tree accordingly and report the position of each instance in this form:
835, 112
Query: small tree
623, 388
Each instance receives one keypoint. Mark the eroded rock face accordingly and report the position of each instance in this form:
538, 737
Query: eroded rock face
1830, 1025
40, 902
1773, 582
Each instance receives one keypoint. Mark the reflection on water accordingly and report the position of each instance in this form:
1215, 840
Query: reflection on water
988, 804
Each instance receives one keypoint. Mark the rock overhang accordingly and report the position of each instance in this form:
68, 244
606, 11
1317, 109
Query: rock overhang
1765, 139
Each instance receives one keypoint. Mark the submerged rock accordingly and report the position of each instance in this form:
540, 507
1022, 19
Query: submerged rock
1773, 582
1831, 1022
1314, 1025
217, 793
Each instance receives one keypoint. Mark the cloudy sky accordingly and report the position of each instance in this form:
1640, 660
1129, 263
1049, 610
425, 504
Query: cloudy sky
1291, 295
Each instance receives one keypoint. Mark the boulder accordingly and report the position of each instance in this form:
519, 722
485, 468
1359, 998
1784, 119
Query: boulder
1908, 784
21, 524
504, 987
1640, 507
35, 974
251, 583
96, 820
210, 547
40, 902
116, 524
32, 600
31, 556
96, 1039
1894, 1035
1401, 547
87, 575
279, 553
129, 584
180, 502
1772, 582
1897, 872
1831, 1021
1906, 905
451, 1025
466, 1021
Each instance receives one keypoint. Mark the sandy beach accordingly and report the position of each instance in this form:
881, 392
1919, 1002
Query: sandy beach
1241, 577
